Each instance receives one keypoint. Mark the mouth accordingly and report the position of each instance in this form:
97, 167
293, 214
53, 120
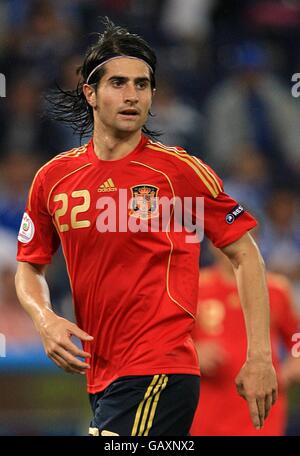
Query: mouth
129, 113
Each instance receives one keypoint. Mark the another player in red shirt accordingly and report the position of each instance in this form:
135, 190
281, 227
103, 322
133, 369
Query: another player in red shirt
133, 269
220, 338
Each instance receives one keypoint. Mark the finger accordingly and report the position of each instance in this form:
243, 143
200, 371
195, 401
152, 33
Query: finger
268, 404
274, 396
66, 366
71, 360
254, 413
261, 410
73, 349
240, 390
60, 362
80, 333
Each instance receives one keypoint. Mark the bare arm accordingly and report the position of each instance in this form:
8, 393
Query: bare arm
33, 293
256, 381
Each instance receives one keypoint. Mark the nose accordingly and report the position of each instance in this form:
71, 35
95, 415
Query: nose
130, 94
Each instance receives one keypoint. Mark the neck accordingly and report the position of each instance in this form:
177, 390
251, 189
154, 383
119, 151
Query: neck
109, 146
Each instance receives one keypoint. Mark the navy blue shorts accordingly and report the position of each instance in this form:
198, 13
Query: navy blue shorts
151, 405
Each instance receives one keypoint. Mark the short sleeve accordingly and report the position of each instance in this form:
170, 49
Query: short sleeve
225, 220
37, 239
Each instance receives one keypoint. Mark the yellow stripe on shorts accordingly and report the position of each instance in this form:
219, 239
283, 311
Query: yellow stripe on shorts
147, 406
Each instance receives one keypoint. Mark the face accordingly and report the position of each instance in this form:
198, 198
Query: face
123, 98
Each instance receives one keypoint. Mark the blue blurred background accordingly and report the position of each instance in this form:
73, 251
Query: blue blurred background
224, 93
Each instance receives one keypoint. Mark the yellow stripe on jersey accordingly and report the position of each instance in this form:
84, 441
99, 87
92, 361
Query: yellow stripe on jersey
206, 177
71, 153
167, 234
213, 177
61, 179
202, 166
209, 180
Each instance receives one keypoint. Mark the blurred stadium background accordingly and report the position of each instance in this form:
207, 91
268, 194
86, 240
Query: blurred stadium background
224, 93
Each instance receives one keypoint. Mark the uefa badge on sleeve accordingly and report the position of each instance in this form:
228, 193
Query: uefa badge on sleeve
26, 231
234, 214
230, 218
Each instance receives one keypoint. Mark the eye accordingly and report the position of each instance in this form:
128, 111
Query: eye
142, 85
117, 82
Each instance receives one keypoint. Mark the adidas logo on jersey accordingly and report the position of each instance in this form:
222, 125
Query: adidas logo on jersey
107, 186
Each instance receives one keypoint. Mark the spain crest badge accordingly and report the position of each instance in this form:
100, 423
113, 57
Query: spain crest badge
144, 202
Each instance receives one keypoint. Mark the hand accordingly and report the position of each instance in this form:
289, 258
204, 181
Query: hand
56, 335
211, 357
257, 383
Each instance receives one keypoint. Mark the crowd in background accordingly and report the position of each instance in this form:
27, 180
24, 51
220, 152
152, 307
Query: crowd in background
224, 92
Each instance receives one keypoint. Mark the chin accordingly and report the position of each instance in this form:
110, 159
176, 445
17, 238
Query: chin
130, 127
125, 132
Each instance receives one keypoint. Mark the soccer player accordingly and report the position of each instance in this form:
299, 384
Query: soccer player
134, 287
220, 339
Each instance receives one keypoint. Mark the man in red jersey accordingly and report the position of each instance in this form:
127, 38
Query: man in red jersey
221, 343
133, 270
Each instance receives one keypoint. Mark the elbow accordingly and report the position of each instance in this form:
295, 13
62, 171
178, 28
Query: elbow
252, 256
244, 252
255, 253
261, 260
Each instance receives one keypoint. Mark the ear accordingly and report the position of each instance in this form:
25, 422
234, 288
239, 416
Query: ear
90, 95
153, 93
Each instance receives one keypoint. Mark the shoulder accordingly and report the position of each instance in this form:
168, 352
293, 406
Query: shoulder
170, 157
56, 168
64, 161
172, 154
198, 173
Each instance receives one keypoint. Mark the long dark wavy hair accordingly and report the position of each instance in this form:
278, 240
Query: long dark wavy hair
71, 106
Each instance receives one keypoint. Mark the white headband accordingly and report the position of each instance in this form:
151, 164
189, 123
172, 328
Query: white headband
114, 58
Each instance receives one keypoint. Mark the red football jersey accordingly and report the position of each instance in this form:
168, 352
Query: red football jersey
135, 291
221, 411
